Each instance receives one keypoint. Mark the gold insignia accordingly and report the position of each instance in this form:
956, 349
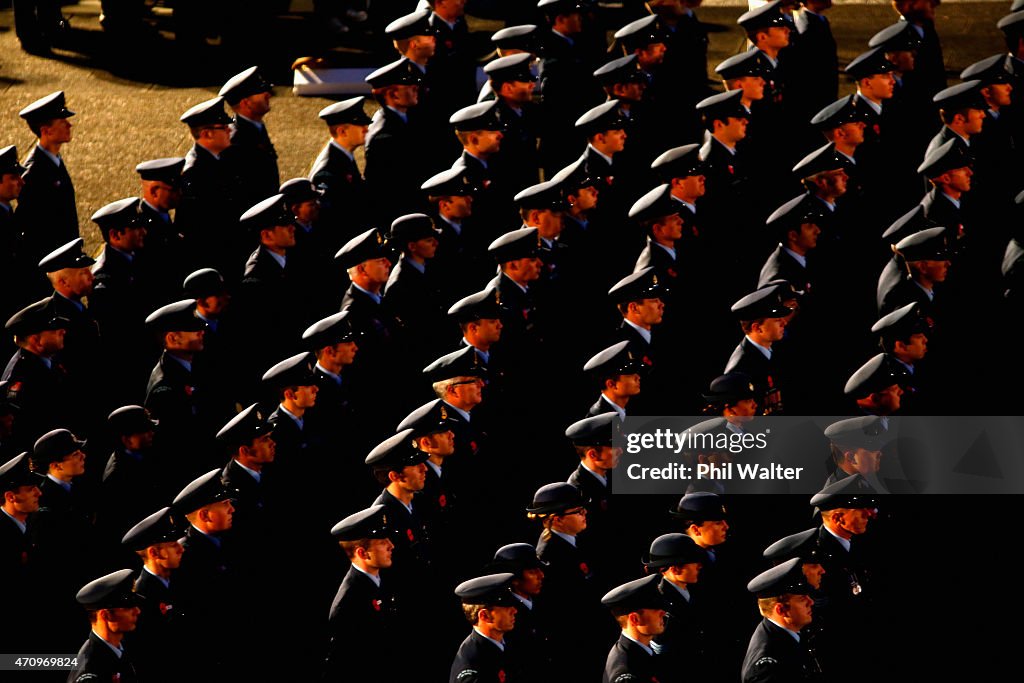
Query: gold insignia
444, 413
654, 279
380, 238
497, 297
750, 385
259, 416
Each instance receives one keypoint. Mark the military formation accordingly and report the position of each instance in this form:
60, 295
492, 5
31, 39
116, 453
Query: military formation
437, 344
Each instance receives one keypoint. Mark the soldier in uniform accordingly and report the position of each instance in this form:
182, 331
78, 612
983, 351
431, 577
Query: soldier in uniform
518, 254
69, 270
763, 321
798, 223
903, 336
668, 236
489, 606
13, 266
412, 293
529, 642
962, 108
335, 173
877, 387
856, 446
19, 487
34, 374
163, 263
248, 438
927, 257
292, 384
605, 131
453, 65
783, 598
678, 561
929, 74
113, 612
616, 370
336, 345
639, 608
47, 215
155, 541
513, 83
461, 257
363, 612
211, 199
458, 379
248, 95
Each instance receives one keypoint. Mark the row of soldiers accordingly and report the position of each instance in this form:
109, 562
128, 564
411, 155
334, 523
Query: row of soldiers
562, 296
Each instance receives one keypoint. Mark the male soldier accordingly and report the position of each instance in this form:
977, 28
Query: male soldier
1012, 26
763, 321
460, 257
639, 608
590, 241
489, 606
19, 488
565, 80
205, 586
392, 140
14, 268
518, 255
134, 475
529, 641
842, 124
316, 242
949, 168
411, 294
678, 560
683, 170
645, 40
746, 72
929, 75
293, 385
993, 147
155, 541
116, 301
541, 206
798, 224
910, 105
171, 394
248, 438
513, 83
856, 447
962, 108
458, 379
593, 440
69, 270
432, 433
617, 371
34, 374
63, 524
335, 343
363, 611
211, 193
605, 131
248, 95
732, 396
113, 612
903, 336
480, 133
571, 583
639, 298
453, 65
46, 215
783, 599
768, 30
335, 173
877, 387
163, 263
822, 173
660, 217
927, 257
727, 186
479, 317
414, 40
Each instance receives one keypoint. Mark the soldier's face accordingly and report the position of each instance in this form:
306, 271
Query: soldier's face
935, 271
798, 611
259, 103
59, 130
852, 133
888, 400
752, 87
670, 228
307, 212
813, 572
777, 37
455, 8
879, 86
855, 521
10, 186
529, 582
413, 477
353, 134
650, 311
169, 554
574, 521
865, 461
189, 341
25, 499
216, 304
218, 137
974, 121
468, 391
585, 198
405, 96
518, 92
744, 408
773, 329
72, 465
162, 196
690, 572
652, 54
998, 94
734, 130
806, 238
51, 341
488, 330
345, 352
528, 269
122, 619
548, 223
377, 270
503, 619
710, 533
263, 449
378, 554
628, 385
442, 443
632, 92
692, 187
423, 47
607, 457
424, 248
650, 622
903, 60
219, 515
457, 207
914, 349
78, 280
134, 238
280, 236
305, 396
489, 141
572, 23
833, 183
615, 140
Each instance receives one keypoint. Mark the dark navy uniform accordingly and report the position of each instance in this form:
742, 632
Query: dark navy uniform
774, 655
97, 662
480, 661
628, 662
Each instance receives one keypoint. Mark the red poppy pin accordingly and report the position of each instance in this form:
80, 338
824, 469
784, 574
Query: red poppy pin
487, 183
609, 180
448, 44
526, 314
732, 171
410, 535
648, 361
189, 390
671, 272
877, 129
501, 675
165, 608
14, 388
472, 446
376, 605
442, 500
771, 382
584, 568
116, 678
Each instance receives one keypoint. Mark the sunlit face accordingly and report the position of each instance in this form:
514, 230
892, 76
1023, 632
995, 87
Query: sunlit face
813, 572
304, 396
752, 87
79, 281
935, 271
503, 619
378, 553
585, 198
573, 521
852, 133
24, 499
627, 385
651, 55
959, 179
259, 103
487, 330
220, 515
58, 130
650, 622
998, 94
855, 521
488, 141
377, 270
518, 92
773, 329
649, 311
806, 238
889, 399
168, 555
10, 186
527, 269
878, 86
413, 477
709, 533
263, 449
734, 130
529, 582
615, 140
406, 96
457, 207
798, 611
345, 352
776, 37
468, 391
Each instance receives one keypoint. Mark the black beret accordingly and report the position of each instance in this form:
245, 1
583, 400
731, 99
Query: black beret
334, 329
245, 84
109, 592
673, 550
154, 529
346, 111
634, 596
784, 579
396, 453
556, 498
208, 113
204, 490
363, 247
365, 524
177, 317
69, 255
46, 109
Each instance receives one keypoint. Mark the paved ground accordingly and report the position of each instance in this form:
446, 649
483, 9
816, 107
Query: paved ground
128, 99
